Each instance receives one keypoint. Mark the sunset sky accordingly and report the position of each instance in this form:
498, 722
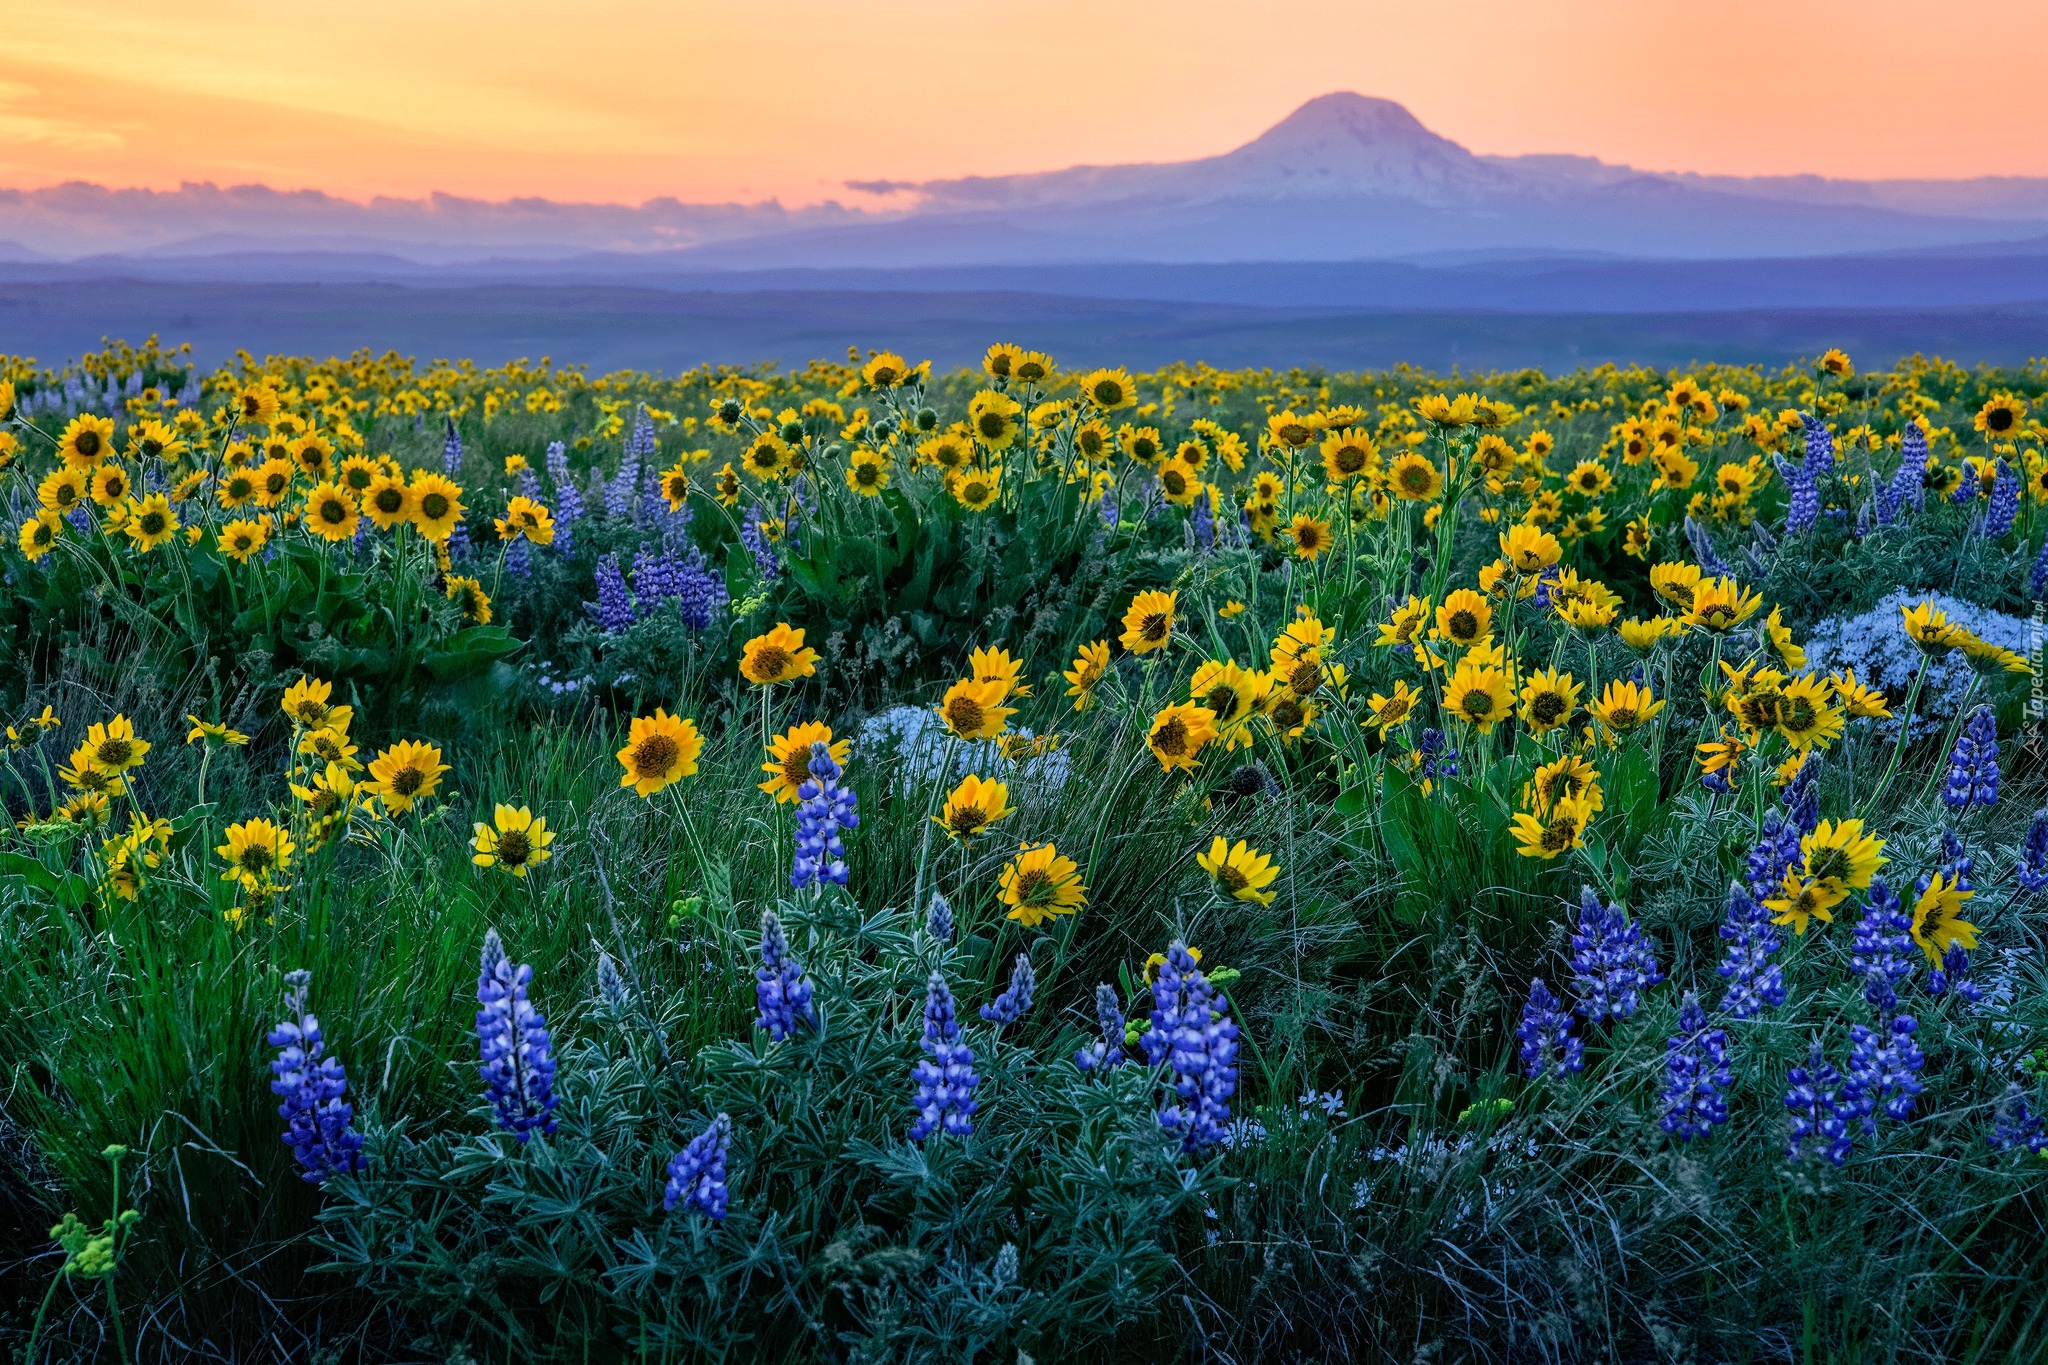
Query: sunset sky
624, 100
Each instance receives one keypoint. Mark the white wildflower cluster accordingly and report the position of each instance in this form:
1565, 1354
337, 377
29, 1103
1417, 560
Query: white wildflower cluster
916, 738
1874, 645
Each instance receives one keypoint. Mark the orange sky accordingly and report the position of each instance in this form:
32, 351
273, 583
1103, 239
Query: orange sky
623, 100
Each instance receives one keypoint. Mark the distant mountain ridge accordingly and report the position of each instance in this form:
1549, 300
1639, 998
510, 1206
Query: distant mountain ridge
1344, 178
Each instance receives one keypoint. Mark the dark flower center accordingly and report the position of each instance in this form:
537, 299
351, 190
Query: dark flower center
655, 755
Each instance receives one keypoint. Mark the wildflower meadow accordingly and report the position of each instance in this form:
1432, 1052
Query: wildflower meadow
1024, 864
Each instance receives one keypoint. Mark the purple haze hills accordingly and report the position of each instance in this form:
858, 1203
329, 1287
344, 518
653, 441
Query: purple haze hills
1346, 234
1343, 178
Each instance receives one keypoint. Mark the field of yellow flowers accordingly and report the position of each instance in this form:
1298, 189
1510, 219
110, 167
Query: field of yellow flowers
869, 864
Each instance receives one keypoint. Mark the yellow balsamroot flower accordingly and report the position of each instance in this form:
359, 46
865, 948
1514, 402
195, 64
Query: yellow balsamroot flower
515, 840
1143, 444
1721, 604
1643, 636
1549, 700
675, 486
242, 541
358, 472
886, 370
1675, 583
1625, 706
61, 490
1465, 618
327, 799
777, 656
188, 487
1090, 666
660, 749
1781, 641
1987, 656
1838, 851
436, 504
387, 501
1347, 454
256, 405
867, 475
1107, 390
1637, 536
1030, 367
236, 489
86, 441
38, 535
1675, 469
1585, 613
767, 457
726, 485
1548, 833
256, 851
1478, 695
1441, 411
1531, 549
998, 360
1041, 883
1414, 477
1148, 624
1239, 870
83, 776
1801, 900
331, 744
976, 489
525, 517
1179, 733
1311, 536
1395, 708
405, 773
1231, 610
330, 513
993, 418
1304, 641
1721, 756
306, 705
1590, 479
113, 748
949, 451
139, 851
1291, 432
1860, 701
994, 664
110, 485
1179, 483
476, 603
273, 481
1571, 776
2000, 416
973, 806
88, 808
213, 732
1755, 700
1937, 917
1498, 577
1805, 717
313, 455
1232, 695
975, 710
1404, 627
789, 758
